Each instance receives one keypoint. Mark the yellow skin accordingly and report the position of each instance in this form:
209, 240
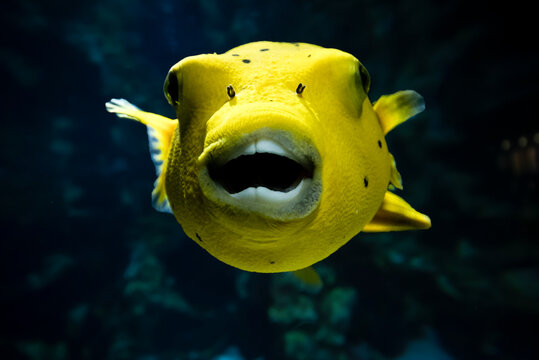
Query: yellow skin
329, 124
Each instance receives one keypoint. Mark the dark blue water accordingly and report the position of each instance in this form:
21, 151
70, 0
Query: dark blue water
90, 271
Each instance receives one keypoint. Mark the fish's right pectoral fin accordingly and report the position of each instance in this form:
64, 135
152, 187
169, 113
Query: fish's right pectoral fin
395, 214
160, 132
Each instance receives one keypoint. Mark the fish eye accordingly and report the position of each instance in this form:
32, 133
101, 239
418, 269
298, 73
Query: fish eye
172, 88
365, 78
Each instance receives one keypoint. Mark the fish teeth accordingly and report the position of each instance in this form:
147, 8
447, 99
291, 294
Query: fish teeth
261, 146
270, 147
246, 194
264, 196
249, 150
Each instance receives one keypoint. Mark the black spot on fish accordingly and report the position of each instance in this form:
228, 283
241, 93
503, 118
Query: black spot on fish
272, 262
379, 144
309, 55
198, 237
366, 181
247, 61
296, 44
235, 55
263, 49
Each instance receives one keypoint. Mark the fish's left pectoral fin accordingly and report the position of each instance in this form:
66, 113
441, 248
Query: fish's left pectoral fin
395, 214
160, 132
396, 108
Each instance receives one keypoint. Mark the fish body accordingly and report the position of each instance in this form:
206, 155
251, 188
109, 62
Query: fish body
277, 157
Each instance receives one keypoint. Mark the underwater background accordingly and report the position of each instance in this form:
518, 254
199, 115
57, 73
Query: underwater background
90, 271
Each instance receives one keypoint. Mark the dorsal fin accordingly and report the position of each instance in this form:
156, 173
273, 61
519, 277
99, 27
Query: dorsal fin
395, 214
396, 108
160, 130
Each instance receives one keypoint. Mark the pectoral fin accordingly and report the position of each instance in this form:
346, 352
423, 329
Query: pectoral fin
396, 108
395, 214
160, 130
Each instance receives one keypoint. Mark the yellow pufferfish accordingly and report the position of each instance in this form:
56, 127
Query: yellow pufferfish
277, 157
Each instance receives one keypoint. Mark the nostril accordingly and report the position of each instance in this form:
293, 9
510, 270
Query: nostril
300, 88
230, 92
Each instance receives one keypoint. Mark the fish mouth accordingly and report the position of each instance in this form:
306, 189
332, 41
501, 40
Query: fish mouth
263, 169
267, 172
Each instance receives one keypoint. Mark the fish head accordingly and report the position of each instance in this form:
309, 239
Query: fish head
279, 158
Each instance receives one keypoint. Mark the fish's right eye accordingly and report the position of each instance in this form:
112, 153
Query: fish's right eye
365, 78
172, 88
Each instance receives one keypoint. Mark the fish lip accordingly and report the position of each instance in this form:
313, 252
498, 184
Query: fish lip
295, 203
268, 144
